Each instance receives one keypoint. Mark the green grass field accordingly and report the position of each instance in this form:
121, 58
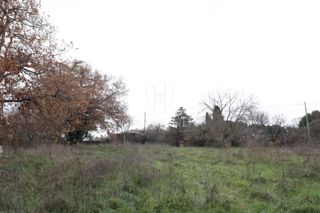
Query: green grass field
154, 178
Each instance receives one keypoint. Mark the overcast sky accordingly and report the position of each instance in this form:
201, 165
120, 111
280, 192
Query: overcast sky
172, 53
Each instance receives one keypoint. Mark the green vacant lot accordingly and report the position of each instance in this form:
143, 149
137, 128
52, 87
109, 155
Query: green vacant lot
153, 178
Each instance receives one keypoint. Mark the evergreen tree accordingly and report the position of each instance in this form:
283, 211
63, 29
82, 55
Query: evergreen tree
315, 115
181, 119
208, 118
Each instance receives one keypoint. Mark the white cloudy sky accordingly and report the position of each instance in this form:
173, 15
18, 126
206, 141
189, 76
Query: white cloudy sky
172, 53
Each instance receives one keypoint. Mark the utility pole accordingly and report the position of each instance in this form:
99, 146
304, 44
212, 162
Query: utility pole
308, 127
145, 122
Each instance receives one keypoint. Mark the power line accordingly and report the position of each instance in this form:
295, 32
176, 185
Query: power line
314, 103
280, 106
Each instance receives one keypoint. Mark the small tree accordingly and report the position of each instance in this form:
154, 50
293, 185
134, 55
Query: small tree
181, 119
178, 123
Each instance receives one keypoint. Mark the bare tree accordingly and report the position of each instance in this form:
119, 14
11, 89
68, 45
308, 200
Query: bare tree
256, 117
235, 110
127, 125
279, 120
277, 129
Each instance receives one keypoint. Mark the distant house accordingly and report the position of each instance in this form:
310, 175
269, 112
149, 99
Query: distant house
130, 136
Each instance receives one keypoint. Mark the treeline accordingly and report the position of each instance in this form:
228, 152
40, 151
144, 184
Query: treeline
43, 95
232, 119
